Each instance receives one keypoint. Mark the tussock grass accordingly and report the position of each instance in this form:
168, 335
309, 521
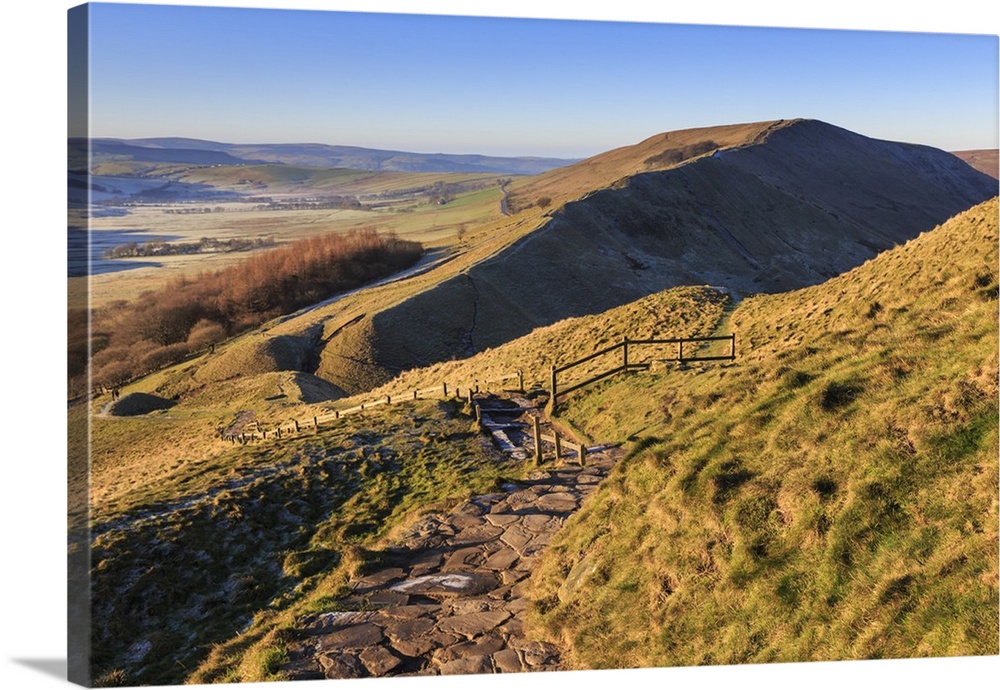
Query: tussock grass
833, 495
210, 564
679, 312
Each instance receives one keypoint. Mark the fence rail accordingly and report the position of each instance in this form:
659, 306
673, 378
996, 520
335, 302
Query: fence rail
555, 390
253, 431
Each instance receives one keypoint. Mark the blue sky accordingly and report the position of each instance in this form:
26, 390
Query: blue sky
509, 86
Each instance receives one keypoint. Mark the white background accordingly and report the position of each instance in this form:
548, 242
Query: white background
32, 144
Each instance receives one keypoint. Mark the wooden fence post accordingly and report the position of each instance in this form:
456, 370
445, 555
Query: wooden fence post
316, 423
388, 400
558, 442
625, 352
680, 350
296, 425
414, 395
444, 388
732, 346
583, 455
538, 440
553, 386
520, 380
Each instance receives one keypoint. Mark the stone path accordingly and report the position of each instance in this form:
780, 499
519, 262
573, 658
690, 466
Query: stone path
450, 598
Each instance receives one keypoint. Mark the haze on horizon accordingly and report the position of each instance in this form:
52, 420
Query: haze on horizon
517, 87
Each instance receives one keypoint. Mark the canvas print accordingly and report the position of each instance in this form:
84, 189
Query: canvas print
409, 345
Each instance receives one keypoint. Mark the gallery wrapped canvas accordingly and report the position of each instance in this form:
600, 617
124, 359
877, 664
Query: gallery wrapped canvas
425, 345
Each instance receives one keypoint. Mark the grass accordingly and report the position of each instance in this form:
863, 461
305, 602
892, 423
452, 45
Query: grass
432, 225
831, 496
679, 312
223, 553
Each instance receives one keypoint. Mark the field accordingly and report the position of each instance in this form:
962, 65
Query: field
400, 203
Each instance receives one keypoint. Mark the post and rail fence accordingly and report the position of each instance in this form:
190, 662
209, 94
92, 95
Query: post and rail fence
253, 431
555, 390
442, 391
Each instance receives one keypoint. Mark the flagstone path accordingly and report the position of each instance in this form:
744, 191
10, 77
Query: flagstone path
450, 598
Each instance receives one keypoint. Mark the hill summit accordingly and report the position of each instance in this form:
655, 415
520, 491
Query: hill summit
763, 207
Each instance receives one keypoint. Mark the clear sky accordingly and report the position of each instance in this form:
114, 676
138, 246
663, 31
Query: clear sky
509, 86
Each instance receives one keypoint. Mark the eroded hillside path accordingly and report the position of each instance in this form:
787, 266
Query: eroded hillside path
451, 595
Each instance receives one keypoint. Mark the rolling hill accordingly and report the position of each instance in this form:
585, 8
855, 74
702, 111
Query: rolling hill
201, 152
751, 208
983, 160
829, 495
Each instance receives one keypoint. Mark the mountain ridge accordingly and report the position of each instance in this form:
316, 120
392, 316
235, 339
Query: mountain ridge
199, 151
791, 204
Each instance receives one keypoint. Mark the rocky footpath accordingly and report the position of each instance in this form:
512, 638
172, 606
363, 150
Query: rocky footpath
451, 596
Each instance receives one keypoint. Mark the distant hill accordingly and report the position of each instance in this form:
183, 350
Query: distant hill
765, 207
107, 150
200, 152
983, 160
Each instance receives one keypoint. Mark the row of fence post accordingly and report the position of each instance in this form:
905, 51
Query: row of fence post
556, 440
626, 365
470, 392
554, 389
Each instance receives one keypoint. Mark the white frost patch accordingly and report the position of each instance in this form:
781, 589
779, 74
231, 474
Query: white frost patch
450, 581
138, 651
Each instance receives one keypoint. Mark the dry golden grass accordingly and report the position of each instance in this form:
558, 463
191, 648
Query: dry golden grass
564, 184
831, 496
680, 312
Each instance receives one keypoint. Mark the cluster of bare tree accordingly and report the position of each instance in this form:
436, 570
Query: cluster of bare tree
191, 314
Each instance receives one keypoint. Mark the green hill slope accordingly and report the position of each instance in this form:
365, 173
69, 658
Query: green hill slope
832, 496
769, 207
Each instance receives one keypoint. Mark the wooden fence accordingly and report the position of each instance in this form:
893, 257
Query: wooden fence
557, 442
555, 390
315, 423
252, 431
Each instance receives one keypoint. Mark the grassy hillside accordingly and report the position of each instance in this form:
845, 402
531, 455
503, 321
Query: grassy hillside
659, 152
832, 496
680, 312
793, 204
983, 160
217, 553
